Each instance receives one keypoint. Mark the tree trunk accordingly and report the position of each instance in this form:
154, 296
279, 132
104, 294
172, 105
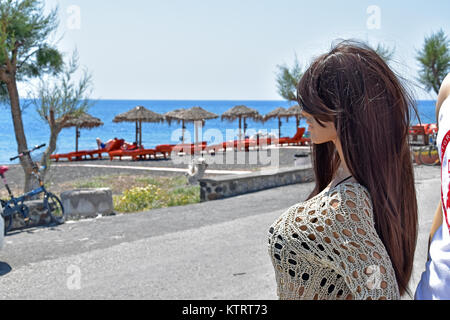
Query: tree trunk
54, 132
279, 127
77, 135
182, 135
240, 128
435, 83
19, 131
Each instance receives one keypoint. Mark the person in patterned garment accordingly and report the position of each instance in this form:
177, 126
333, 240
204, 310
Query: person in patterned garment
435, 281
355, 235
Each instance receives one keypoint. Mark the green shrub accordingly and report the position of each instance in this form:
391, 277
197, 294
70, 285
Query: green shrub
150, 197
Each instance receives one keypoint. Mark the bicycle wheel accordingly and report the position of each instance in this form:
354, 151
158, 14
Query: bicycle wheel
426, 154
55, 208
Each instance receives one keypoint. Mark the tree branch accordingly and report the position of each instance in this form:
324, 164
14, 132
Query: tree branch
26, 58
17, 45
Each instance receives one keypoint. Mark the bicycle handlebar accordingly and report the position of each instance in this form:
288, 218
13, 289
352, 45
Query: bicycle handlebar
28, 152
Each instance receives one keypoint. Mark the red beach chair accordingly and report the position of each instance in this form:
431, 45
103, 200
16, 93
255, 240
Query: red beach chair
72, 156
165, 149
297, 139
189, 148
77, 156
138, 154
113, 145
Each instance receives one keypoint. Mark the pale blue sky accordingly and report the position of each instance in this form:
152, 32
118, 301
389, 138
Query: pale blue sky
228, 50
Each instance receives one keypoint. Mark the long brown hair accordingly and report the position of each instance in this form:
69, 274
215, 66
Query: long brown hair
370, 107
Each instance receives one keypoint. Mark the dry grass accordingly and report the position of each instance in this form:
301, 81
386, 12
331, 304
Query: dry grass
118, 183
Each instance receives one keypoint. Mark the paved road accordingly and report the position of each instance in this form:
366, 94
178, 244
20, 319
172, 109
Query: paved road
213, 250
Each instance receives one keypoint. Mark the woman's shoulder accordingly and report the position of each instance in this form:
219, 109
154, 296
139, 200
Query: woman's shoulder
349, 195
348, 204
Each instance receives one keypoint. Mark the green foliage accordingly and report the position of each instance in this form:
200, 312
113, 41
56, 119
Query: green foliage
24, 30
48, 61
154, 196
434, 60
139, 199
385, 52
60, 98
62, 95
288, 79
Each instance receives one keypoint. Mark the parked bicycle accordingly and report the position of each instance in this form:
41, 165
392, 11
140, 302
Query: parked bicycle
16, 205
430, 151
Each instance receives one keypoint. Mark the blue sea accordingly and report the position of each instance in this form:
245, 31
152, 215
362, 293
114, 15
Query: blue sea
153, 134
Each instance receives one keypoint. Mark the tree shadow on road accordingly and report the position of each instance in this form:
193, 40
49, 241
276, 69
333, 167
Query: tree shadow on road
4, 268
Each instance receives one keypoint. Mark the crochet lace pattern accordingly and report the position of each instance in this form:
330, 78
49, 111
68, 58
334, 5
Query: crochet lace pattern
328, 248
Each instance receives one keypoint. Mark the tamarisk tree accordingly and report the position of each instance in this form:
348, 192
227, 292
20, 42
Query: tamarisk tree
61, 99
25, 53
434, 60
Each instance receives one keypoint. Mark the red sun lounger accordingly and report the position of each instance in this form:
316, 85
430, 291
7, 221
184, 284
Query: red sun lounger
295, 140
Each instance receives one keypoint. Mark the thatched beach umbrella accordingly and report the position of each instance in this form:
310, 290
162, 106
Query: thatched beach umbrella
241, 112
296, 112
138, 115
278, 113
197, 115
174, 116
82, 121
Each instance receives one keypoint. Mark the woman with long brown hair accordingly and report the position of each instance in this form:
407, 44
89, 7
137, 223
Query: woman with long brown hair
355, 236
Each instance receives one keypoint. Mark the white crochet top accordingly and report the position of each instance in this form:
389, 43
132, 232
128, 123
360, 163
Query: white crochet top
328, 248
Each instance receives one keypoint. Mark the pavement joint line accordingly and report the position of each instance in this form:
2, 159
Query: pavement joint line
153, 168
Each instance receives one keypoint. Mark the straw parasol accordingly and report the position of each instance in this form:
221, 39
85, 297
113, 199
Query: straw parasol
241, 112
82, 121
296, 111
278, 113
174, 116
197, 115
138, 115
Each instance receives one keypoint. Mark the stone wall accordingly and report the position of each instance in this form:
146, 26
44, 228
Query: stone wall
87, 203
229, 186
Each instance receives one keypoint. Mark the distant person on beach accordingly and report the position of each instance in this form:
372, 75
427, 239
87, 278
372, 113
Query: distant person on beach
435, 281
355, 235
100, 144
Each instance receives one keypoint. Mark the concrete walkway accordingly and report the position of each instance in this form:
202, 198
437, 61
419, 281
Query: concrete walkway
212, 250
220, 172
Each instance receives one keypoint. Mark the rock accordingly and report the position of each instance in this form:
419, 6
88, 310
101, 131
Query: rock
87, 203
